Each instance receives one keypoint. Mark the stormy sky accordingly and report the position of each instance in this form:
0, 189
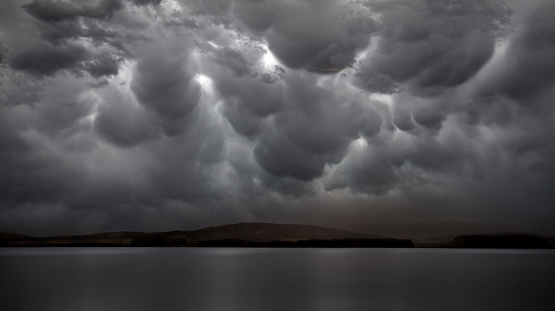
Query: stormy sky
398, 117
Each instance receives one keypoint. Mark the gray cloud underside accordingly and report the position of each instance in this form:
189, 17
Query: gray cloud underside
159, 115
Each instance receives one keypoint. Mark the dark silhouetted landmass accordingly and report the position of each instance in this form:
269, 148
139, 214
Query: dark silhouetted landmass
236, 235
356, 243
502, 241
7, 238
273, 235
340, 243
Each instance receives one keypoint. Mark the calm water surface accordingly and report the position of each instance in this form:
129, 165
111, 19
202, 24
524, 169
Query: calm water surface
103, 279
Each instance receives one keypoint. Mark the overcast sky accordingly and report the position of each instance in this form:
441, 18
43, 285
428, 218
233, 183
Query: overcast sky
400, 117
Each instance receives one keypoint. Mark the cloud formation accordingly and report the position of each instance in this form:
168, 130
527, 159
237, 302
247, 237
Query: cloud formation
390, 117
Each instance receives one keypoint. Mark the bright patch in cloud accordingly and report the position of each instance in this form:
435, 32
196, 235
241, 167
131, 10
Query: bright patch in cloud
206, 83
269, 61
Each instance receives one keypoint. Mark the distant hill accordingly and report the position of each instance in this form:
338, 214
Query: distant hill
274, 235
264, 232
242, 234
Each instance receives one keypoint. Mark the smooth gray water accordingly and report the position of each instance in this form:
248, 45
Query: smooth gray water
103, 279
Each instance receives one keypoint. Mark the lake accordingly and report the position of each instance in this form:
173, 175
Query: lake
103, 279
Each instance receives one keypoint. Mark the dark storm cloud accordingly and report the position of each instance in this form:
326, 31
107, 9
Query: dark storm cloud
303, 34
54, 10
434, 44
163, 115
48, 59
233, 60
316, 34
123, 123
146, 2
248, 101
309, 125
165, 86
2, 54
429, 119
49, 175
63, 26
307, 136
529, 67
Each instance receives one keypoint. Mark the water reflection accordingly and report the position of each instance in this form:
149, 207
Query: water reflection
275, 279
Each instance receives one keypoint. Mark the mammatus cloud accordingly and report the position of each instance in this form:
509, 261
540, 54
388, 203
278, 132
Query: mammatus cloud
395, 117
432, 44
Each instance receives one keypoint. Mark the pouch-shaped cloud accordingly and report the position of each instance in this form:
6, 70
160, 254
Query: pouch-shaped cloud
434, 44
310, 34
